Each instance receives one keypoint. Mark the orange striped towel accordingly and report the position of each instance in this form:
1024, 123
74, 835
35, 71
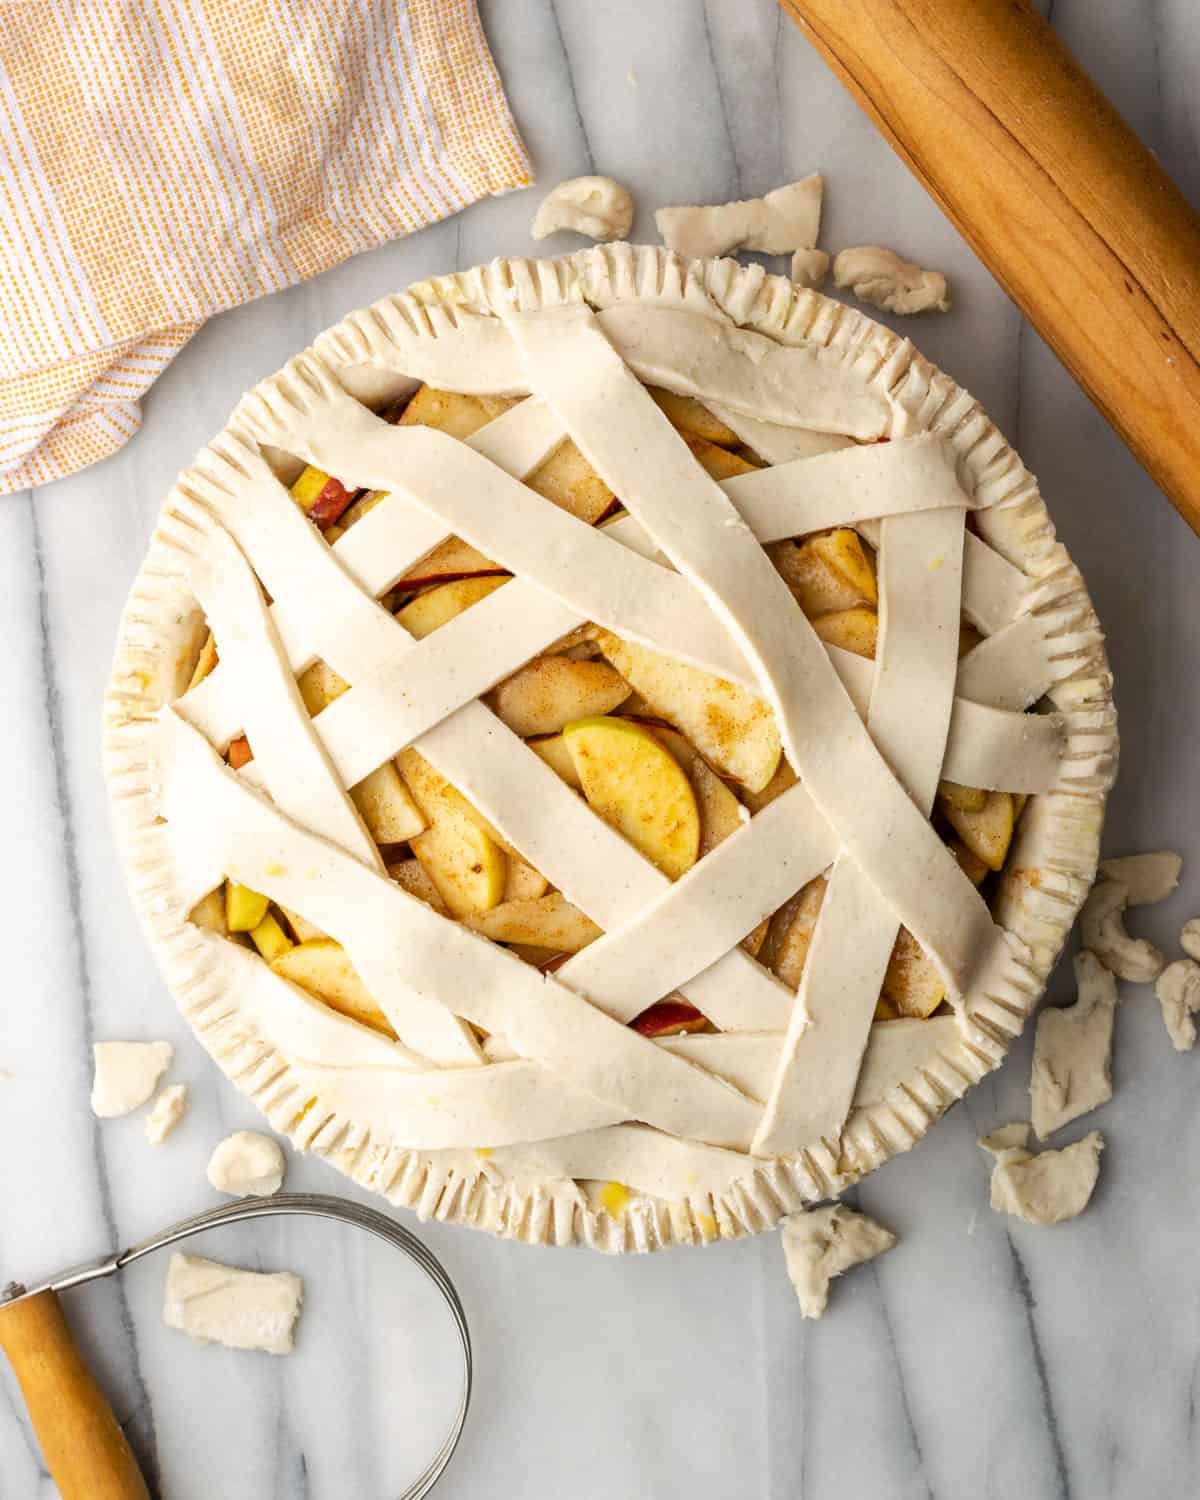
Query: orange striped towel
161, 160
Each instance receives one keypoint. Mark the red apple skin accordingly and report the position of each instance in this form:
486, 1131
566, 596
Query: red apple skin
666, 1017
330, 503
240, 753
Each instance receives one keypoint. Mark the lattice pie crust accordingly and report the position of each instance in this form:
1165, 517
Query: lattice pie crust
786, 1099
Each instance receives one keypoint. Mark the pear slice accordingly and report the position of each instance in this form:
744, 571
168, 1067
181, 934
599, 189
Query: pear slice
323, 968
854, 630
552, 748
636, 784
439, 605
988, 832
544, 922
733, 730
552, 690
466, 864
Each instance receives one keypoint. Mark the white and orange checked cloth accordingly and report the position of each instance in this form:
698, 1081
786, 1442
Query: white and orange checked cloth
161, 160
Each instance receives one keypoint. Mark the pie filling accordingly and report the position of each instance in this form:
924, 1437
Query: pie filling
602, 759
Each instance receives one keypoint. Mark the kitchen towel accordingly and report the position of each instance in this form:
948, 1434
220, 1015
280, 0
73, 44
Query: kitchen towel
161, 160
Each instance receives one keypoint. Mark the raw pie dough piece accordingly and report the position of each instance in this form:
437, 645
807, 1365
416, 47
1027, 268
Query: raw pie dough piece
248, 1165
1072, 1054
217, 1304
1189, 938
596, 206
126, 1075
1147, 877
1101, 923
882, 278
1045, 1189
784, 220
823, 1243
809, 267
1178, 991
169, 1108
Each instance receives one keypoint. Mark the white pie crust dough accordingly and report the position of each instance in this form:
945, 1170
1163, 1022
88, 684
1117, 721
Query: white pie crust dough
823, 1243
787, 219
596, 206
169, 1108
125, 1075
247, 1164
1048, 1188
885, 279
803, 375
1072, 1054
218, 1304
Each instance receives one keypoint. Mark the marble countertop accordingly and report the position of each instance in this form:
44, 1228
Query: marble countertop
982, 1357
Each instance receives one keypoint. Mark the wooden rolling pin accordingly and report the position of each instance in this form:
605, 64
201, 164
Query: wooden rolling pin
84, 1448
1057, 196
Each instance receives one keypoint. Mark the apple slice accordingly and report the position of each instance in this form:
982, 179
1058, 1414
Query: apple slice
205, 662
319, 685
971, 865
552, 690
521, 881
968, 639
669, 1017
321, 496
790, 933
411, 874
911, 985
269, 938
569, 481
965, 798
988, 832
545, 922
465, 864
779, 783
826, 573
323, 968
552, 748
636, 784
688, 415
303, 931
240, 753
453, 559
460, 416
244, 908
718, 463
854, 630
438, 606
209, 913
734, 730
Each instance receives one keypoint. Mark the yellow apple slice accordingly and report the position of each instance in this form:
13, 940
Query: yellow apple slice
319, 685
966, 798
718, 463
323, 498
303, 930
269, 938
988, 832
779, 783
553, 690
971, 865
826, 573
911, 985
325, 971
552, 748
438, 606
636, 784
465, 864
567, 480
790, 933
453, 559
733, 730
205, 662
244, 908
391, 815
460, 416
210, 913
545, 922
854, 630
686, 414
411, 874
521, 881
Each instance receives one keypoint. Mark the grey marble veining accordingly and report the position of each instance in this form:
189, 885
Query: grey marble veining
982, 1357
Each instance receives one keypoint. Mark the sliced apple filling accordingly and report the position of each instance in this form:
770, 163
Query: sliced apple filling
674, 759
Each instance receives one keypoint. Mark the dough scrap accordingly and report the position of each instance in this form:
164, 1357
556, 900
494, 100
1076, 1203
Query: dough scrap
1048, 1188
782, 221
214, 1303
1178, 991
809, 267
881, 277
169, 1108
126, 1075
248, 1165
1103, 928
1147, 877
1189, 938
823, 1243
1073, 1051
596, 206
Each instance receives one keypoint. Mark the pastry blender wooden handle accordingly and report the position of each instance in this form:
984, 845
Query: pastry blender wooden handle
1055, 193
84, 1448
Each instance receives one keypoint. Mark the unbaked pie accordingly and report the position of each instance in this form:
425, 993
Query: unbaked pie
608, 748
